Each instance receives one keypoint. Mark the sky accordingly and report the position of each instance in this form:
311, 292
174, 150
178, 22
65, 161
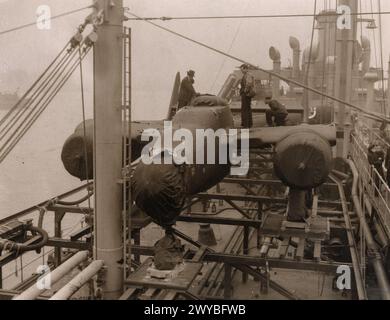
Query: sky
157, 55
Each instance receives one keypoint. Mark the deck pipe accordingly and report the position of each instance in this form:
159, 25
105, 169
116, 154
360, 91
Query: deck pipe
372, 247
57, 274
76, 283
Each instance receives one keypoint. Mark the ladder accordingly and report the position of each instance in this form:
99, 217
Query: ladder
126, 156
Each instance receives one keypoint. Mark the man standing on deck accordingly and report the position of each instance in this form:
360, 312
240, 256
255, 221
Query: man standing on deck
187, 91
247, 92
277, 114
376, 158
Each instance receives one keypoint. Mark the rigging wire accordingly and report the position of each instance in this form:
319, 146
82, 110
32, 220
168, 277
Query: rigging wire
306, 81
381, 57
22, 109
325, 55
17, 105
361, 38
83, 113
55, 73
38, 113
374, 37
370, 114
4, 150
336, 4
230, 48
51, 18
302, 15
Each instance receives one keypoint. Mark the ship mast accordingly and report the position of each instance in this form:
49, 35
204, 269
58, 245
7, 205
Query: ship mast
108, 58
345, 44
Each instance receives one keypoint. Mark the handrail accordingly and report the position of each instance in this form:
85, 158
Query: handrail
44, 203
372, 248
373, 182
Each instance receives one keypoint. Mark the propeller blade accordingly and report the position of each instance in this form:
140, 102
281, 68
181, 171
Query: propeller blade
174, 97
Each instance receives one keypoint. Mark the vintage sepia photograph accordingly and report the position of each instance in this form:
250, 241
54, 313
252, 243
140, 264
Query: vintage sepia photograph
194, 156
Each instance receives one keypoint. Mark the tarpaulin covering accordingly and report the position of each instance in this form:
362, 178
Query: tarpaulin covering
211, 101
159, 191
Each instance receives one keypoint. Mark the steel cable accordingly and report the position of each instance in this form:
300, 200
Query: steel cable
369, 114
63, 63
306, 81
83, 114
35, 23
16, 106
33, 109
12, 143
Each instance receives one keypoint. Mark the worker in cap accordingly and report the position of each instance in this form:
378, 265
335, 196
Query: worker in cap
276, 115
187, 91
247, 92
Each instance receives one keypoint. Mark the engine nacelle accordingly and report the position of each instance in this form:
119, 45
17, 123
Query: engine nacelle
76, 148
303, 160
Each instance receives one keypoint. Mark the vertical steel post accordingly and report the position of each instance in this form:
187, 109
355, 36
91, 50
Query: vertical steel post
108, 52
130, 97
58, 216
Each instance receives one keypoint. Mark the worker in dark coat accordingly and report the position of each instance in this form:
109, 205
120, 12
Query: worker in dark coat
376, 158
247, 92
276, 116
187, 91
